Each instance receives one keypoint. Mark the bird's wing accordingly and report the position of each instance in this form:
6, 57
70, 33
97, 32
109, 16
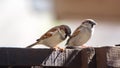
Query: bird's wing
75, 33
49, 33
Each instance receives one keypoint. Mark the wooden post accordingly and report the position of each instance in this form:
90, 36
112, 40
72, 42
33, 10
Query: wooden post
101, 58
105, 57
108, 57
22, 56
113, 57
71, 58
16, 57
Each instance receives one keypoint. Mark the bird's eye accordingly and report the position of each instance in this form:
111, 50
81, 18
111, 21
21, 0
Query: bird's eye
90, 22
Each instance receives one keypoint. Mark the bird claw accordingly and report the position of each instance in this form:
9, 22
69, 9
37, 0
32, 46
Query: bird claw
59, 48
55, 48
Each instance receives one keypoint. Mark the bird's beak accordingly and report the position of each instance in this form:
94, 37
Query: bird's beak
95, 24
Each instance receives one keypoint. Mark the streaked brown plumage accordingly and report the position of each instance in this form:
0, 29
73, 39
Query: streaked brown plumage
53, 36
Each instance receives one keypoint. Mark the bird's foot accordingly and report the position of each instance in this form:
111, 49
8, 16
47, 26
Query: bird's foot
61, 49
55, 48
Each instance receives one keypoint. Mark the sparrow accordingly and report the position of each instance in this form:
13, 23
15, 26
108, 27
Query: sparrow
82, 34
53, 37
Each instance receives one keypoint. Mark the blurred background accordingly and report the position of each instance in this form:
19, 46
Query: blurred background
24, 21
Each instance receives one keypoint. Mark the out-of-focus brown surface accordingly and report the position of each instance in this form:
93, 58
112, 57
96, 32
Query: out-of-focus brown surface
78, 9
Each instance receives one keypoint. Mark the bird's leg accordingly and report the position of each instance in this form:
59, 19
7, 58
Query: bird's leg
55, 48
61, 49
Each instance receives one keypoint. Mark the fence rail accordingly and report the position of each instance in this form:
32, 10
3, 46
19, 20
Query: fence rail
103, 57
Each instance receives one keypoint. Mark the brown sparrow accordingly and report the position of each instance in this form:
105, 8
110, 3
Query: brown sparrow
82, 34
53, 36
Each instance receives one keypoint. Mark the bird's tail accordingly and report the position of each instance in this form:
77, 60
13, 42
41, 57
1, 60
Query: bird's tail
32, 45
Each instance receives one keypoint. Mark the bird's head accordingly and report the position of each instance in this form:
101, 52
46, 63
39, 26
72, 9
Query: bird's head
89, 23
67, 30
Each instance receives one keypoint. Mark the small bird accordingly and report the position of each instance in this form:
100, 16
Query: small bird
82, 34
53, 37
